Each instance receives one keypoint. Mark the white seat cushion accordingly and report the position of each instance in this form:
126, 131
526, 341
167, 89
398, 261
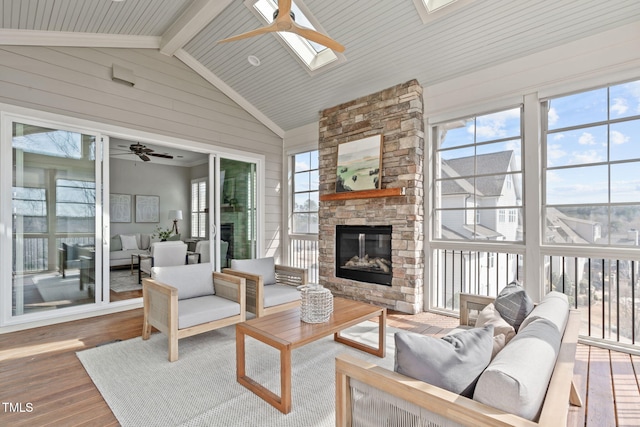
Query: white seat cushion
280, 294
196, 311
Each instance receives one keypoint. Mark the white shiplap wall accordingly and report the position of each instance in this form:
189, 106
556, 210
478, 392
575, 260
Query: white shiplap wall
168, 99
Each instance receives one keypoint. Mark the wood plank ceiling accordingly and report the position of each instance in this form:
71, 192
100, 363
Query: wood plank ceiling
386, 42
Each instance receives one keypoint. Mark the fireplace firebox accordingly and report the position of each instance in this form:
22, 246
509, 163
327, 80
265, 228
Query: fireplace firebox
363, 253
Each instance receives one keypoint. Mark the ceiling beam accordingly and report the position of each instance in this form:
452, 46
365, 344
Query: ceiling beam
73, 39
205, 73
197, 16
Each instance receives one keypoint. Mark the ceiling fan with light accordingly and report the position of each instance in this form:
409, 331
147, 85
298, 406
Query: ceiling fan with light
144, 152
284, 20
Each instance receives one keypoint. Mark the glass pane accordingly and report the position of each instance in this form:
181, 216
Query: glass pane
303, 203
53, 248
456, 133
625, 225
624, 100
238, 215
576, 225
301, 182
578, 109
625, 182
625, 140
453, 225
582, 185
302, 162
577, 147
301, 223
500, 125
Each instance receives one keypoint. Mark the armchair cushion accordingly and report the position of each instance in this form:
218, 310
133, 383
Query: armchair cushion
265, 267
191, 280
71, 251
453, 362
280, 294
196, 311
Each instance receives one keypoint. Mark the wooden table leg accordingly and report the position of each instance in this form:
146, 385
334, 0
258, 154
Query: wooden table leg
240, 359
382, 335
285, 380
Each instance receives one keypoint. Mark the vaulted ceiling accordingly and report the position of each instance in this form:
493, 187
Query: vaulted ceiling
386, 42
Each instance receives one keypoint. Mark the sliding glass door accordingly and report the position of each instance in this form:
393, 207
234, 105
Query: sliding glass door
55, 195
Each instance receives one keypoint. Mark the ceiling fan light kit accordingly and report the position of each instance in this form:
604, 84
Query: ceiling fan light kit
284, 20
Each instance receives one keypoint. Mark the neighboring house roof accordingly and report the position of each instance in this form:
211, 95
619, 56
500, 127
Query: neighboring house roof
558, 231
468, 233
493, 164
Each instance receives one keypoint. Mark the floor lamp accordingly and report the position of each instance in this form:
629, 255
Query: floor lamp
175, 215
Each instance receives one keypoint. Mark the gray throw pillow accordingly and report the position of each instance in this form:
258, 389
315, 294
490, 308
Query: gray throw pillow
264, 267
116, 244
513, 304
453, 362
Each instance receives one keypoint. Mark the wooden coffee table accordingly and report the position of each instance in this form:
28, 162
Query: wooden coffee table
285, 331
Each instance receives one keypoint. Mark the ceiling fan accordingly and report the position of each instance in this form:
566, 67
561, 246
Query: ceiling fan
144, 152
284, 20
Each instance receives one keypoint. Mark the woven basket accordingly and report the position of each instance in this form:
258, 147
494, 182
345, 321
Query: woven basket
316, 305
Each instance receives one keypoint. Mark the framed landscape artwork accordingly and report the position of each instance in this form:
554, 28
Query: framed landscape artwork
359, 164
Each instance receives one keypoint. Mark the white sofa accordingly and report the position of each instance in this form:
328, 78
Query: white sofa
528, 382
120, 255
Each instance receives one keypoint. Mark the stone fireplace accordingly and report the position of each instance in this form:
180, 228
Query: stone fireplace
396, 114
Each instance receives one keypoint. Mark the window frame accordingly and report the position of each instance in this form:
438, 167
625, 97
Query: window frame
196, 225
294, 172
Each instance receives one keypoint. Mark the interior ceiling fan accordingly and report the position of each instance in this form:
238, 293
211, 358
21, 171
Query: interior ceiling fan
284, 20
144, 152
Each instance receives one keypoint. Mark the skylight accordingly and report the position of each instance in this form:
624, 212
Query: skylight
431, 10
312, 55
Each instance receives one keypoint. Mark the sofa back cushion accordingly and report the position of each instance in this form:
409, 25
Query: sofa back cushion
513, 304
516, 380
191, 280
553, 307
453, 362
145, 241
264, 267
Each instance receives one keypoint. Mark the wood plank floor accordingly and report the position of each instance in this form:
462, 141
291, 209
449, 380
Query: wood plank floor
42, 382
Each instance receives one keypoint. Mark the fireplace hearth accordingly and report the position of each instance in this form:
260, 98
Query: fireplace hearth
363, 253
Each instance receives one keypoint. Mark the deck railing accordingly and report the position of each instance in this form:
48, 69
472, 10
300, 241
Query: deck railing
35, 255
303, 253
605, 291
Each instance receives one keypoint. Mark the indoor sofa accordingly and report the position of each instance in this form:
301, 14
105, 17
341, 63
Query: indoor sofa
529, 382
121, 248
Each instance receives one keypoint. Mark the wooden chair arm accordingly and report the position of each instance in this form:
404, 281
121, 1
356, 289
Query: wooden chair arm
230, 287
294, 276
160, 303
469, 303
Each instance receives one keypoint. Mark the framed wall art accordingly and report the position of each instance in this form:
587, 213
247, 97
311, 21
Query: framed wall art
120, 207
147, 208
359, 165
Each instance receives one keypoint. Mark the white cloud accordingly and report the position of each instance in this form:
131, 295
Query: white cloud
618, 137
552, 116
494, 125
558, 136
586, 139
619, 106
589, 156
554, 152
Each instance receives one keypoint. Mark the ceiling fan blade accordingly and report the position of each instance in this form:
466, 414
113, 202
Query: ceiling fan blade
284, 7
263, 30
164, 156
144, 157
317, 37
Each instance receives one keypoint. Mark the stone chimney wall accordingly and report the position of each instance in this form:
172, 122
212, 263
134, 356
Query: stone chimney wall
397, 114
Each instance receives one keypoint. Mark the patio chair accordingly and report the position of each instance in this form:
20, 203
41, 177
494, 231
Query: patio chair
270, 287
186, 300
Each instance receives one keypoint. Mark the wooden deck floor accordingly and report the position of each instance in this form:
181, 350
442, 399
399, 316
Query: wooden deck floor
43, 383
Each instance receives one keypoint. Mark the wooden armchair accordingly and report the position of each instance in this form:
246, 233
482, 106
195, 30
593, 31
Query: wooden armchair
186, 300
270, 287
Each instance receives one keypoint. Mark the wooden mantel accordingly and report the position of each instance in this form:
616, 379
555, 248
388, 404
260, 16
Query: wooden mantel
364, 194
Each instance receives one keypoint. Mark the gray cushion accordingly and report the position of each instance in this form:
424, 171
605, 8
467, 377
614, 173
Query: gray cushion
191, 280
116, 244
553, 307
513, 304
196, 311
516, 380
280, 294
453, 362
264, 267
145, 241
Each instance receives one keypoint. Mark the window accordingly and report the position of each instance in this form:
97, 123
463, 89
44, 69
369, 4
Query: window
430, 10
592, 155
30, 204
478, 167
199, 208
75, 206
314, 56
305, 193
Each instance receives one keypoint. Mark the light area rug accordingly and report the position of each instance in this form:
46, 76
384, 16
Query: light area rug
143, 388
123, 280
57, 288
